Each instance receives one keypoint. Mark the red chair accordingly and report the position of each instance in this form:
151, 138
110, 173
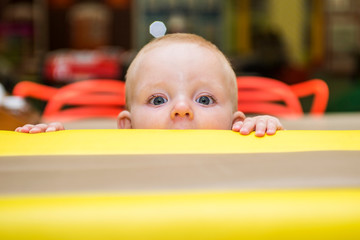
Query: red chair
261, 95
83, 99
319, 89
34, 90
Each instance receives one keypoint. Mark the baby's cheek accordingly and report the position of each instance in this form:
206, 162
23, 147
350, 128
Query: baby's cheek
145, 120
218, 121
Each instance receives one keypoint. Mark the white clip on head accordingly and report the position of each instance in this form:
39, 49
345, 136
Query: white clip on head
157, 29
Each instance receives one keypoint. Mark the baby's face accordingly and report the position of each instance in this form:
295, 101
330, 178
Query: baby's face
181, 86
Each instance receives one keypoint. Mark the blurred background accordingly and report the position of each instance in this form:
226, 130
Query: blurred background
56, 42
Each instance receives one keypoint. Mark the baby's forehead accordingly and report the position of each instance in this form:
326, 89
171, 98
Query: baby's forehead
179, 44
190, 59
182, 53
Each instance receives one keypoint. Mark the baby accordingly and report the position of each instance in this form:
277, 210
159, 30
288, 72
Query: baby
181, 81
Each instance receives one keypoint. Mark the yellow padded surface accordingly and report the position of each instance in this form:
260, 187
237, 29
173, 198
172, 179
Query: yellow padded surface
88, 142
296, 214
276, 214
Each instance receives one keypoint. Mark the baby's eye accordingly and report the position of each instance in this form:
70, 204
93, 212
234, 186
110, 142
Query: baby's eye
158, 100
205, 100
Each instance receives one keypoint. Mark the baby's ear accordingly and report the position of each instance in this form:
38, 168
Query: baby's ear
238, 117
124, 120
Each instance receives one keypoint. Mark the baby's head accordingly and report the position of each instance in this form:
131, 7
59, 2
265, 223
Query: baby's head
180, 81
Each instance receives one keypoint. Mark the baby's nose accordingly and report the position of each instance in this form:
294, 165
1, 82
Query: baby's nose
182, 109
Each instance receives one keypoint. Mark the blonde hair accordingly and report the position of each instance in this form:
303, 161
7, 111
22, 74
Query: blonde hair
181, 38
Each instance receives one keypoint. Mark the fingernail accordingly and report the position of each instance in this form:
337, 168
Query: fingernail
242, 131
34, 130
50, 129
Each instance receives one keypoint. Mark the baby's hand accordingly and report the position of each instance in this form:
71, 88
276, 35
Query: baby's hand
38, 128
260, 124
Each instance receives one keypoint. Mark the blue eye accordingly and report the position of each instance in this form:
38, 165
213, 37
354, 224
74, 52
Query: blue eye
157, 100
205, 100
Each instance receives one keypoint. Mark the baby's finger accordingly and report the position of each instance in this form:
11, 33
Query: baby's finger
25, 129
19, 129
55, 126
273, 125
237, 126
261, 125
248, 126
38, 128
